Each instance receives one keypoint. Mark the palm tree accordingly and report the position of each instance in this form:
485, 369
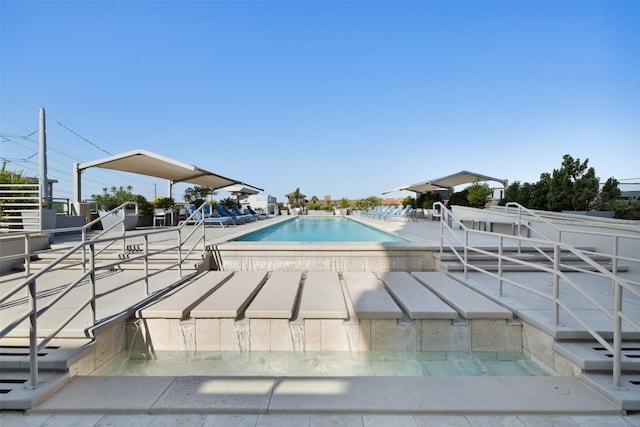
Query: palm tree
296, 199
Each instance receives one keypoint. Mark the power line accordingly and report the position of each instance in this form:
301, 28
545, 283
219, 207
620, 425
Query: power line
84, 139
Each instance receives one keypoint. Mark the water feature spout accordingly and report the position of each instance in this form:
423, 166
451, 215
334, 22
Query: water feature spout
188, 330
243, 335
296, 329
137, 346
353, 335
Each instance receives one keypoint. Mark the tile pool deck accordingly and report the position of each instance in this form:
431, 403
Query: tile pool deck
271, 401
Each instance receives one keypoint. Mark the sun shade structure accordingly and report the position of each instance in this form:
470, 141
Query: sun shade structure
143, 162
241, 191
449, 182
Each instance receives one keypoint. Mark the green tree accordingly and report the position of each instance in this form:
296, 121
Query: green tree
296, 199
313, 203
163, 202
459, 198
426, 200
609, 194
113, 197
538, 193
327, 206
197, 195
228, 202
344, 203
14, 177
368, 203
408, 201
573, 186
478, 194
627, 209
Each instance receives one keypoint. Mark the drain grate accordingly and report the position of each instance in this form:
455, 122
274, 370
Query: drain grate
629, 352
26, 347
2, 353
9, 381
13, 350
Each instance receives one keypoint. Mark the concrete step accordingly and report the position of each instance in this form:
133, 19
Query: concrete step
18, 394
592, 356
54, 363
513, 267
58, 354
596, 363
75, 262
532, 257
626, 397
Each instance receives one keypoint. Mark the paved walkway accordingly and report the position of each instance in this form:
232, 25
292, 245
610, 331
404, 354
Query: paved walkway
311, 420
340, 401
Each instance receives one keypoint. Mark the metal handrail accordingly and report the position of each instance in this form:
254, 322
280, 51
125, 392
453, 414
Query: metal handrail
89, 272
561, 234
447, 220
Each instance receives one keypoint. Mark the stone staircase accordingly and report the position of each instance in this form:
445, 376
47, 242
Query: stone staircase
75, 350
464, 321
55, 361
596, 364
588, 359
115, 255
449, 262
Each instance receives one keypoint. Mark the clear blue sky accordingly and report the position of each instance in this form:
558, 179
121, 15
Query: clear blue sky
348, 98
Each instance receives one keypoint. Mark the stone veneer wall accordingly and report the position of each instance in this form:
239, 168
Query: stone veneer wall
325, 257
325, 335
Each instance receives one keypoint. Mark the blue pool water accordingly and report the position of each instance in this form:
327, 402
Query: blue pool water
302, 229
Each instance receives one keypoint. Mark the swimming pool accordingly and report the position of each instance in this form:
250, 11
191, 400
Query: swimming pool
338, 229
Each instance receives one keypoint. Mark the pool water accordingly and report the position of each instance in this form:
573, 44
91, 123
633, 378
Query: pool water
173, 363
320, 230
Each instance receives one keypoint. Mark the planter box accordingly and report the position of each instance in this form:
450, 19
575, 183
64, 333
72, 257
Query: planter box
31, 219
109, 219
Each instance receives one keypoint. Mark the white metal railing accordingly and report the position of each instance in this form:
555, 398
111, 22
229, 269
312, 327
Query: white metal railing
15, 199
613, 240
91, 248
617, 314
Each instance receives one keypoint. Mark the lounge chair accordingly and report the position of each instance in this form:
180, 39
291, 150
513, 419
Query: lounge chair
223, 211
385, 213
371, 211
224, 221
256, 214
239, 213
196, 216
401, 214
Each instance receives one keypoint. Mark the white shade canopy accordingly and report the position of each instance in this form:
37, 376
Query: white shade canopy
240, 189
448, 182
147, 163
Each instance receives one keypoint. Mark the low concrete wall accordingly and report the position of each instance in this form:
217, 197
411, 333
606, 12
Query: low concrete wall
324, 335
305, 256
15, 245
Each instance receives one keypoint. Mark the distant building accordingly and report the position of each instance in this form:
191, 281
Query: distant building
265, 203
629, 190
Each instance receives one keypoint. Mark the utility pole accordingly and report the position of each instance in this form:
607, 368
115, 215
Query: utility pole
44, 183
